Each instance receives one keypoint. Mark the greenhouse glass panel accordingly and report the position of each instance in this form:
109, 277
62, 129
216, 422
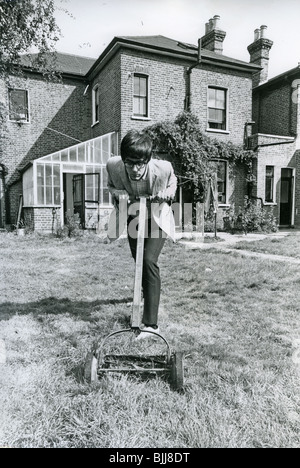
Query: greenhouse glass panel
105, 149
81, 152
73, 154
28, 187
64, 155
105, 192
97, 151
40, 195
48, 195
40, 184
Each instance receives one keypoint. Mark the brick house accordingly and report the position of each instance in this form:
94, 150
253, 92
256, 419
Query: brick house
55, 151
276, 135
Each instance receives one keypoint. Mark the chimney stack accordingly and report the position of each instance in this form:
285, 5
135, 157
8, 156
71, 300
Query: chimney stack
214, 36
259, 52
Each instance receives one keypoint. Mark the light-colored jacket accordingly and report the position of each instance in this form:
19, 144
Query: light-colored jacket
161, 177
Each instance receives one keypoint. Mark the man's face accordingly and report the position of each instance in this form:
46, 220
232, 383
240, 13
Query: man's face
135, 170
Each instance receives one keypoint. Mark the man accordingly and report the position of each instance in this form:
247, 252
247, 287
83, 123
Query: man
131, 176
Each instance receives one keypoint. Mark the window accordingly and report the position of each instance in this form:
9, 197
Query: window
269, 190
48, 184
221, 170
140, 96
18, 105
217, 103
96, 104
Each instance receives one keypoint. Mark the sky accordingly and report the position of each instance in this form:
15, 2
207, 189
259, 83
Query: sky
88, 26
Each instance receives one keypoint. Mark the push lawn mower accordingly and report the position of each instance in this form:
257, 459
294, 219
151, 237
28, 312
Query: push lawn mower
169, 365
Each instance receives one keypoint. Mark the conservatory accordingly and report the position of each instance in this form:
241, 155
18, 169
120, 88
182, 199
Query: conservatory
69, 182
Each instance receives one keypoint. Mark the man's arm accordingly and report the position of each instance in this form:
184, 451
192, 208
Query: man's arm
168, 194
115, 193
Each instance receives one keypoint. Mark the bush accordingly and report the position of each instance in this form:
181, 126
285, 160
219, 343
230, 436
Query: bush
72, 226
252, 218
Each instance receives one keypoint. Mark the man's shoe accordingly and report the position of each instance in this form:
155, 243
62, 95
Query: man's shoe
147, 332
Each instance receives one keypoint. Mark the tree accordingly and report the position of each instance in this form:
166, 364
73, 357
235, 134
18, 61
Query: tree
27, 26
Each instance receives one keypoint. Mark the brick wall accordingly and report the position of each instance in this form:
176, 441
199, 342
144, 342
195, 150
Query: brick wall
280, 156
168, 88
109, 98
274, 111
61, 106
41, 219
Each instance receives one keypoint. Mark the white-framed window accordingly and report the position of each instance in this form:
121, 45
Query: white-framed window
222, 176
18, 105
217, 108
269, 184
140, 95
95, 104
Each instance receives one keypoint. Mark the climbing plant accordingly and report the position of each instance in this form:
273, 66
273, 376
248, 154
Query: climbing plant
192, 152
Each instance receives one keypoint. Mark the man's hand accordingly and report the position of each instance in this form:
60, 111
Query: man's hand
161, 197
121, 195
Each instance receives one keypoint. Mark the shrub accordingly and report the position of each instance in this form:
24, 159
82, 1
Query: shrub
251, 218
72, 226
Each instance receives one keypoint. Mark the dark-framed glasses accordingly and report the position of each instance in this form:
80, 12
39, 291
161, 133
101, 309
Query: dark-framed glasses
130, 165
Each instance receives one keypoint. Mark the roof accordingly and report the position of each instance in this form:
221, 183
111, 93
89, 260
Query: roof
64, 63
165, 45
282, 77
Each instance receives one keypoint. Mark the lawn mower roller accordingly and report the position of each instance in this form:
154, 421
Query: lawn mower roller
169, 365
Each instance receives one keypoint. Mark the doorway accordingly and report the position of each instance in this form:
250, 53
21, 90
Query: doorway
82, 197
286, 197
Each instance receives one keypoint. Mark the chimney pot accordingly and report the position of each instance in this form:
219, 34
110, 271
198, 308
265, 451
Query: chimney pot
216, 20
256, 34
211, 26
206, 28
263, 31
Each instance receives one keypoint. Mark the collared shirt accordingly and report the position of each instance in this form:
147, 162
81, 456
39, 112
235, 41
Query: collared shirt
140, 188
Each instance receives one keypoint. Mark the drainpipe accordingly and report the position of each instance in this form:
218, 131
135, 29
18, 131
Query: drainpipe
188, 103
3, 173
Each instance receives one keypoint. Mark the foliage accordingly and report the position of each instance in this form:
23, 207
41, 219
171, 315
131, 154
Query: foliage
251, 217
192, 151
72, 227
27, 25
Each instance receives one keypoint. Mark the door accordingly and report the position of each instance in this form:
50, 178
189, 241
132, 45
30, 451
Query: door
286, 197
78, 197
86, 196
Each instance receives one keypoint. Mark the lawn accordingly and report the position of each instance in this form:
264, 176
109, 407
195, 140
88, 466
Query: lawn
235, 319
290, 247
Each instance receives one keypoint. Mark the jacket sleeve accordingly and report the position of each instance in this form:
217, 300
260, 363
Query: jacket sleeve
110, 184
172, 183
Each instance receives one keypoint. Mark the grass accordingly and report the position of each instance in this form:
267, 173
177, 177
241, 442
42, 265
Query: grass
235, 319
290, 247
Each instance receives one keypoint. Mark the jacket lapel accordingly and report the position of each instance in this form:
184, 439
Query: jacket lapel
152, 176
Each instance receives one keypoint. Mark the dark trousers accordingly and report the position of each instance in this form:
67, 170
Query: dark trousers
151, 282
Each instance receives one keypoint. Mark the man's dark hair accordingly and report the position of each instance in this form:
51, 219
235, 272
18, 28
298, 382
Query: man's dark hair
136, 146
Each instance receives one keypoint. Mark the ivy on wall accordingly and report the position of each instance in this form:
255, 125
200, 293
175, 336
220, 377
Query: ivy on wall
192, 152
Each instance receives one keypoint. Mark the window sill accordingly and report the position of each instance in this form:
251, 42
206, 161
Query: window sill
136, 117
19, 122
270, 203
216, 130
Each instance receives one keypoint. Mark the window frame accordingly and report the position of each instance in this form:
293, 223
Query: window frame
226, 95
95, 104
225, 182
145, 116
272, 180
11, 111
